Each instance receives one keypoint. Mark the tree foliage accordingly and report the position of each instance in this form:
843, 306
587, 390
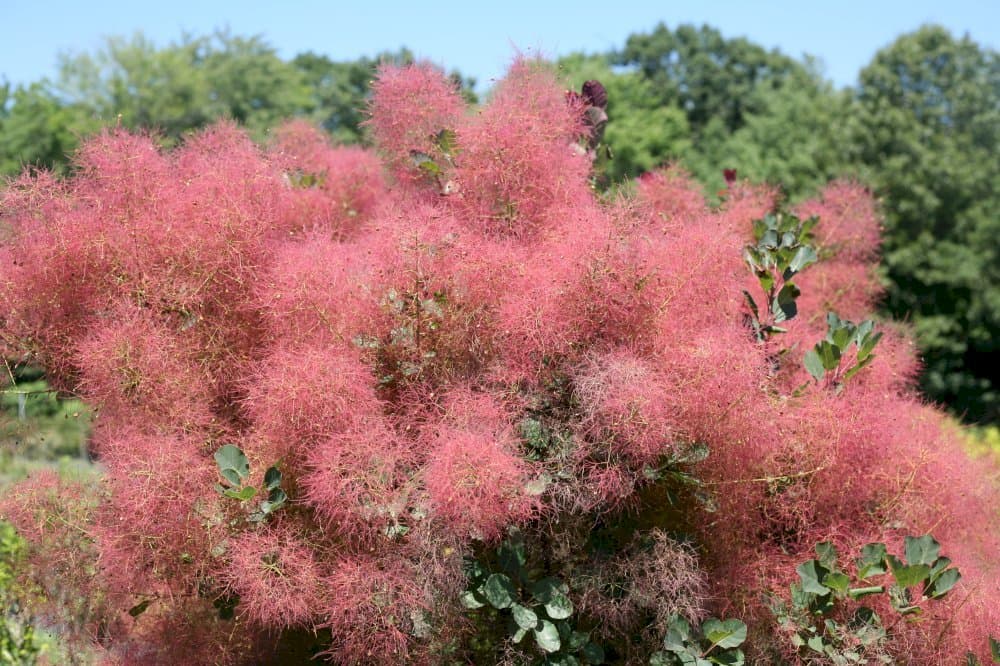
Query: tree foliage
182, 87
928, 128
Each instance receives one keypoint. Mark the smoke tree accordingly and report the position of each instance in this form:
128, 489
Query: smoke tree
376, 404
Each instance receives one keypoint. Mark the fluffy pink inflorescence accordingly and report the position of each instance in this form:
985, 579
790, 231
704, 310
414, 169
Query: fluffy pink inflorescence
335, 189
672, 194
137, 370
386, 344
357, 479
627, 408
298, 398
410, 105
276, 578
372, 604
474, 478
519, 155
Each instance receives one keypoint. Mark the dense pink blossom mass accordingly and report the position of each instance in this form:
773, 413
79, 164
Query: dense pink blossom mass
384, 325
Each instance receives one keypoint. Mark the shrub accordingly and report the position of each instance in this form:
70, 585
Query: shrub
327, 395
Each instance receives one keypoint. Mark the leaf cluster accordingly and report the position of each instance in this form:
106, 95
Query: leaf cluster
234, 468
715, 642
826, 356
537, 606
783, 248
824, 591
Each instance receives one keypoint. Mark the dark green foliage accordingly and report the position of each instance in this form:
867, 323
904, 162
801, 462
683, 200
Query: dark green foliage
928, 130
235, 469
532, 605
182, 87
828, 354
825, 592
783, 249
713, 79
715, 642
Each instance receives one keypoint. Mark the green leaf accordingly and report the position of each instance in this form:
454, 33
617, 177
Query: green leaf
546, 588
473, 570
921, 550
243, 494
424, 162
752, 304
547, 636
811, 573
724, 633
445, 140
561, 659
732, 657
661, 659
863, 331
593, 653
524, 616
842, 335
766, 280
139, 608
233, 465
520, 634
858, 592
908, 575
940, 564
574, 640
943, 583
275, 500
804, 256
872, 560
272, 478
470, 600
837, 581
826, 552
995, 650
858, 367
814, 364
784, 307
829, 354
511, 555
498, 591
559, 607
678, 634
868, 345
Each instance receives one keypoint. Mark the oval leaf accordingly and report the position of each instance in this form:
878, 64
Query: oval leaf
233, 465
498, 591
547, 637
524, 616
272, 478
725, 633
559, 607
469, 600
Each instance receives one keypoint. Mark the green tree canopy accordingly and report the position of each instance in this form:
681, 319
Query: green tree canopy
642, 131
709, 77
927, 126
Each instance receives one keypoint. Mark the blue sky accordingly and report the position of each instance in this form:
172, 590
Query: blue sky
479, 38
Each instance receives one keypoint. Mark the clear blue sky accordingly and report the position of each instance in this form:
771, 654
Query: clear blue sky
479, 38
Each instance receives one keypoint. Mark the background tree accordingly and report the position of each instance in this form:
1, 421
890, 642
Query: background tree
643, 132
928, 128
